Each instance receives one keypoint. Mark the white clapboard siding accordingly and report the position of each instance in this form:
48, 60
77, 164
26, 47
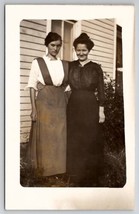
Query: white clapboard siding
102, 33
25, 124
25, 71
27, 59
24, 93
97, 26
25, 106
25, 65
35, 33
24, 99
25, 112
25, 118
32, 34
31, 39
34, 24
31, 46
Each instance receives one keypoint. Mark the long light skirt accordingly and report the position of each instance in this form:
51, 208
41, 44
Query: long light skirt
47, 144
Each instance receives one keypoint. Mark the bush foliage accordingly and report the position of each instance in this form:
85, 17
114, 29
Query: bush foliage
114, 111
114, 136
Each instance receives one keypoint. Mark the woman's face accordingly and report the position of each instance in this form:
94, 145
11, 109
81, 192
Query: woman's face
82, 52
54, 48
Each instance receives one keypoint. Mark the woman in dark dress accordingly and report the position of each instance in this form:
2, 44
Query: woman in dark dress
85, 113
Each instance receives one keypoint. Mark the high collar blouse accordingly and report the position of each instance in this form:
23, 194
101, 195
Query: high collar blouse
88, 77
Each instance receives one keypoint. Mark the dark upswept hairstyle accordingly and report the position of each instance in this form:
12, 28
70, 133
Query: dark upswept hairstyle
52, 36
83, 39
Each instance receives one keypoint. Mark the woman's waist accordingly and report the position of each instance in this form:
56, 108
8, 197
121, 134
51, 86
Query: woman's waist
82, 93
83, 90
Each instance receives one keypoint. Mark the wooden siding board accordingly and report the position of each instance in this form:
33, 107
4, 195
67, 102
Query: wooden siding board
102, 24
24, 93
25, 100
106, 55
103, 49
25, 58
25, 66
32, 32
108, 70
25, 118
95, 26
100, 59
22, 86
32, 46
106, 22
33, 25
23, 130
108, 65
23, 79
25, 106
24, 72
104, 64
97, 32
31, 39
25, 112
41, 22
29, 52
98, 37
102, 44
25, 124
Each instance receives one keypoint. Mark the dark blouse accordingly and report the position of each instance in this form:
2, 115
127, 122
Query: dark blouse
87, 77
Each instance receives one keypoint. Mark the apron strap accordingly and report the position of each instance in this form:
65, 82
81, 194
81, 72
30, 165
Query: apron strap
44, 71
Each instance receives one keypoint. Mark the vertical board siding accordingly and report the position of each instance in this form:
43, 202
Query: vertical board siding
102, 34
32, 34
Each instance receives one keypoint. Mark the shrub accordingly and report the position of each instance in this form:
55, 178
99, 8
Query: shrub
114, 137
114, 112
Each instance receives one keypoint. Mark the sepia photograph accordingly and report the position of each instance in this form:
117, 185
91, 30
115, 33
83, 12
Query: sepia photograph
73, 88
72, 115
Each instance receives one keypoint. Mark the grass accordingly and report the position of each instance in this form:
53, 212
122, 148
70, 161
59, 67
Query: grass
114, 172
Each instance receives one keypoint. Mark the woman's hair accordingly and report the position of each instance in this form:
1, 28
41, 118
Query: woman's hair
52, 36
83, 39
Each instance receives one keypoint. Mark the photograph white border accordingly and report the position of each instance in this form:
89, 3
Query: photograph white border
23, 198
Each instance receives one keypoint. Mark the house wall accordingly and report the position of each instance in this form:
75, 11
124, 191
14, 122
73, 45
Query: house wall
102, 33
32, 34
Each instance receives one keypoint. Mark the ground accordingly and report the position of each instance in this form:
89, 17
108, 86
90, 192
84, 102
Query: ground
114, 173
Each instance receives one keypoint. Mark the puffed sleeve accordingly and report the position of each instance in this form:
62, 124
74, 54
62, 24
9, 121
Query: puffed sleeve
33, 77
100, 88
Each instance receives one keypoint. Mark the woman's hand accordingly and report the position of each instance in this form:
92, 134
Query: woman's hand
101, 115
33, 115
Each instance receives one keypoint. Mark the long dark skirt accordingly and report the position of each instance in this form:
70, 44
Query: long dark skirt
84, 141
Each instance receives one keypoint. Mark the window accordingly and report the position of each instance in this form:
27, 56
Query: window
119, 61
65, 29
